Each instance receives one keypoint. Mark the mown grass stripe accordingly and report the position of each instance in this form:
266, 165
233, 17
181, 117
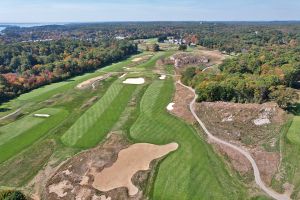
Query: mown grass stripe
28, 136
91, 116
194, 171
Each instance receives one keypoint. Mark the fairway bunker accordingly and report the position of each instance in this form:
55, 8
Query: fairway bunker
134, 81
91, 81
116, 163
170, 107
131, 160
41, 115
162, 77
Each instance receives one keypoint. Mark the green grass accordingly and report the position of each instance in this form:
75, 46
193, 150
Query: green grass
194, 171
97, 121
294, 131
46, 92
22, 133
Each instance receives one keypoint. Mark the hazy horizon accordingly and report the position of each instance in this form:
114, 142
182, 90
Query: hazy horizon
91, 11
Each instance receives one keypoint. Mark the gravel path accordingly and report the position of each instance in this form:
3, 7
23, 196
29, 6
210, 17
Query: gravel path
244, 152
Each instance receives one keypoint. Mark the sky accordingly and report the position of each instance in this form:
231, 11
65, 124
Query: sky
36, 11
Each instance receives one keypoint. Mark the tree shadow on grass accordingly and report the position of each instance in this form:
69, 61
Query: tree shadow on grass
295, 110
4, 109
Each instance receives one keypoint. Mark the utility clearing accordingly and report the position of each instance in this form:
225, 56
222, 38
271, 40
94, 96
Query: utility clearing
131, 160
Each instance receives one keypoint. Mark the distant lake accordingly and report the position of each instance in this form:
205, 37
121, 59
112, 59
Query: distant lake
26, 25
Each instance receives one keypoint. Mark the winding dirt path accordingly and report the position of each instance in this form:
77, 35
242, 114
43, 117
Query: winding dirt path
257, 176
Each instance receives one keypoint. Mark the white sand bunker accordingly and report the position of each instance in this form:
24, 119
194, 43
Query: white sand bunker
131, 160
162, 77
41, 115
134, 81
170, 106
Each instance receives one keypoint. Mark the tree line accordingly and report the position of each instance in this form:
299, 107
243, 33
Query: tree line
263, 74
26, 66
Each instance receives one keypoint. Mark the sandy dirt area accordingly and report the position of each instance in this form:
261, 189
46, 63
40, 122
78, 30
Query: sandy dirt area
215, 57
75, 179
89, 82
131, 160
252, 126
134, 81
182, 99
143, 58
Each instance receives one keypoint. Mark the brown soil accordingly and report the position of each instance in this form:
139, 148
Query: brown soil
142, 58
75, 178
233, 121
236, 123
215, 57
238, 161
182, 99
267, 163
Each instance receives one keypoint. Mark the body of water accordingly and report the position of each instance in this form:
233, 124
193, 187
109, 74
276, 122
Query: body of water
26, 25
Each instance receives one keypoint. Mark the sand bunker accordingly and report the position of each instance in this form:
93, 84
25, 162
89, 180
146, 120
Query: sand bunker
170, 106
41, 115
123, 75
134, 81
89, 82
131, 160
162, 77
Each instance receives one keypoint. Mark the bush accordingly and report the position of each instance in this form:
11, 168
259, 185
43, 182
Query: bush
12, 195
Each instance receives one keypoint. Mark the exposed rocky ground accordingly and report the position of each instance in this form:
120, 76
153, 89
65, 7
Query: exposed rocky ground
255, 127
75, 178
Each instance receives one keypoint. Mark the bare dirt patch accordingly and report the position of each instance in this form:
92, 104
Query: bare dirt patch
244, 125
182, 99
135, 158
142, 58
80, 173
89, 82
236, 122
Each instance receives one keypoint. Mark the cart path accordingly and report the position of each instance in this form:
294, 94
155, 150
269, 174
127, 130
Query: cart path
244, 152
